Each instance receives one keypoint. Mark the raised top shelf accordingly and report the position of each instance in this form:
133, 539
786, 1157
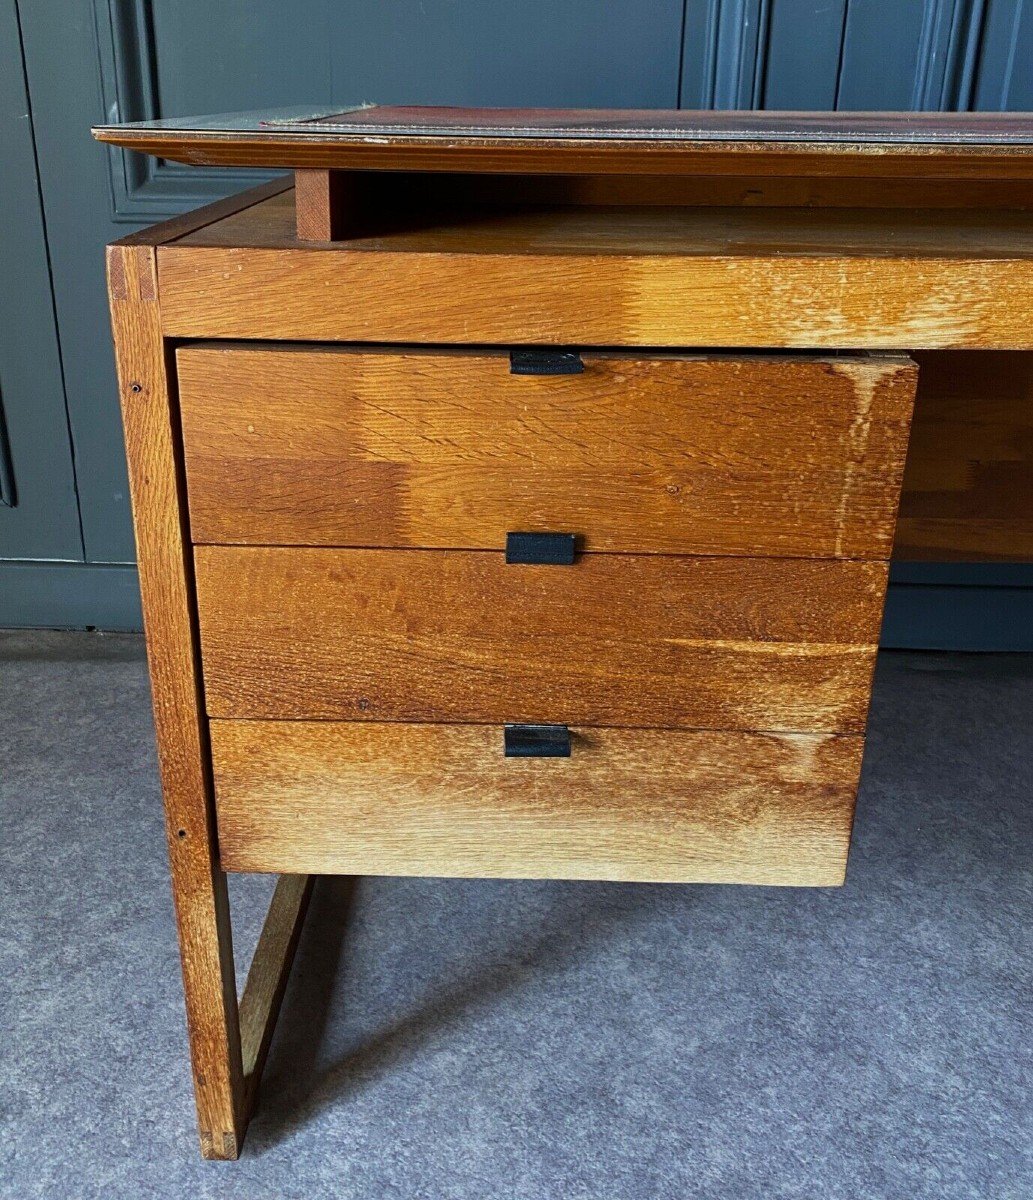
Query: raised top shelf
581, 141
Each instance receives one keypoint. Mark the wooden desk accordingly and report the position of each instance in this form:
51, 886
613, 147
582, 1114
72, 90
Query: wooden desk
515, 497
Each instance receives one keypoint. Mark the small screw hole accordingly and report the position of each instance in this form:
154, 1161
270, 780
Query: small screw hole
181, 833
136, 387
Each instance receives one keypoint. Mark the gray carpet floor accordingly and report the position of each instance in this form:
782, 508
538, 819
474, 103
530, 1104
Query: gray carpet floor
481, 1039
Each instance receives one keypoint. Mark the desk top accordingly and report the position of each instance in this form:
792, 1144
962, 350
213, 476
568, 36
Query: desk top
573, 141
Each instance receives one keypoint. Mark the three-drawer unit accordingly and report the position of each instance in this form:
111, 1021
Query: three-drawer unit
674, 688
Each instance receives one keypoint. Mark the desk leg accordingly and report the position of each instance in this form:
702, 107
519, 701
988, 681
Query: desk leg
224, 1085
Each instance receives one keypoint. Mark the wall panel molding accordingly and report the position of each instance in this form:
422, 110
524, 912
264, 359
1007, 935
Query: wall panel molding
948, 54
8, 495
1004, 78
724, 53
741, 54
802, 54
146, 189
920, 56
837, 54
39, 513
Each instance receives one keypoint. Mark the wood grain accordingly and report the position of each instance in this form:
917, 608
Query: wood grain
736, 229
627, 805
644, 276
968, 487
198, 884
267, 978
745, 455
327, 205
424, 635
373, 640
516, 158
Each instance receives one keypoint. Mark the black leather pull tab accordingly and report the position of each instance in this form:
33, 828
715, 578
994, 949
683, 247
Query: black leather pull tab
537, 741
545, 362
547, 548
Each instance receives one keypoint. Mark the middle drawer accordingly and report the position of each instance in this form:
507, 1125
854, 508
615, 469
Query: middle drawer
462, 636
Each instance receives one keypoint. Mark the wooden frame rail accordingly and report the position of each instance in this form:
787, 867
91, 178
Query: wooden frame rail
228, 1040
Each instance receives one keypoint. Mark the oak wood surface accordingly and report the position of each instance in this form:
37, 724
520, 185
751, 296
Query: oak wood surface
968, 487
368, 637
442, 800
166, 584
427, 635
744, 455
316, 204
267, 977
702, 277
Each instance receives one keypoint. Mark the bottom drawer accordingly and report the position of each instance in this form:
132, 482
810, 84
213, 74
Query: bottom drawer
649, 805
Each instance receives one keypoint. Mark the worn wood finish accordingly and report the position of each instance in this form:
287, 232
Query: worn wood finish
267, 977
968, 487
703, 277
665, 665
627, 805
616, 142
512, 157
425, 635
744, 455
198, 884
225, 1072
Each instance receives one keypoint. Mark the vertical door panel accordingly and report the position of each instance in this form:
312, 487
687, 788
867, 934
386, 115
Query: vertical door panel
803, 54
1005, 74
881, 52
38, 511
61, 57
246, 54
242, 54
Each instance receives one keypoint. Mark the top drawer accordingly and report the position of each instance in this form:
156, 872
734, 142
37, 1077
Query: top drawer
665, 453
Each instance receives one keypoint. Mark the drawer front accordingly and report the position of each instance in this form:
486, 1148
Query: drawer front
631, 640
377, 799
665, 454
